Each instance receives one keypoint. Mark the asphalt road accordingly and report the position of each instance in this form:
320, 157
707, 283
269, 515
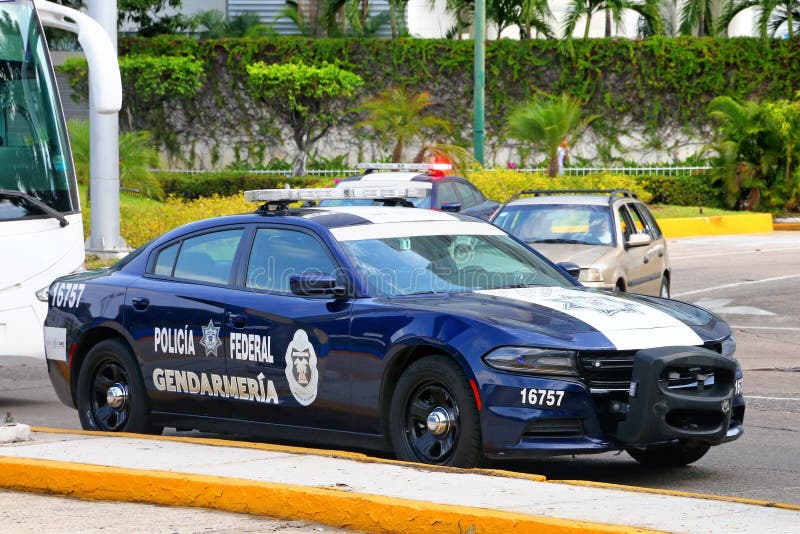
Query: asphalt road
752, 281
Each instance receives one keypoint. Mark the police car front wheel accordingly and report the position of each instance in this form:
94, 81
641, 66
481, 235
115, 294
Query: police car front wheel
434, 416
110, 394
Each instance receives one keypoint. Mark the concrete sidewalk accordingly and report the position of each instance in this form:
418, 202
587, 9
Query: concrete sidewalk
350, 490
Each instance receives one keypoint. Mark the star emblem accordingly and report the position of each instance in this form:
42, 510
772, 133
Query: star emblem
600, 305
210, 340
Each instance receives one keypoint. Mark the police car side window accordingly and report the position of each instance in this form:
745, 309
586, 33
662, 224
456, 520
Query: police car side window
277, 254
467, 194
166, 260
446, 194
208, 257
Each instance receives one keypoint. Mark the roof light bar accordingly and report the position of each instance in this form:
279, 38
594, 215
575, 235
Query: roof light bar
329, 193
424, 167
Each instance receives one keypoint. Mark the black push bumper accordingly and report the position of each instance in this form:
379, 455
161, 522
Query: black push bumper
679, 393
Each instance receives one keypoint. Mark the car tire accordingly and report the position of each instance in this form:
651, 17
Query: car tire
664, 292
671, 455
111, 364
436, 384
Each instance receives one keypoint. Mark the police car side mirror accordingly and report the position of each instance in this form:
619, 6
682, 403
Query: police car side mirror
316, 285
573, 269
452, 207
639, 240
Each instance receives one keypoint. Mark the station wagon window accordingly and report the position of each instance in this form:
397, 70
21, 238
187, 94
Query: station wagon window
208, 257
278, 254
625, 222
652, 225
639, 223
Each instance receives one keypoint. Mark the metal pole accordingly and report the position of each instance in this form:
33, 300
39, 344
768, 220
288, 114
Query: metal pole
105, 237
479, 83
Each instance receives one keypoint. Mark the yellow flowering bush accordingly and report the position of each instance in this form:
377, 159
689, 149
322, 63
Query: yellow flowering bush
501, 184
142, 222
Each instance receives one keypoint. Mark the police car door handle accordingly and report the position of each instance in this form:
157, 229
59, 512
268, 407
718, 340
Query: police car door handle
236, 320
140, 303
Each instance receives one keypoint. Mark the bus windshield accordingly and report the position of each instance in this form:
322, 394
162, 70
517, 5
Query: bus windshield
35, 164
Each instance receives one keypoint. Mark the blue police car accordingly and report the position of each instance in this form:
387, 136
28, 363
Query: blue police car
433, 335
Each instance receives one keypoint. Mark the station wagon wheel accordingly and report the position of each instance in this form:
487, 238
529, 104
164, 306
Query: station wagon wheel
664, 293
434, 417
110, 394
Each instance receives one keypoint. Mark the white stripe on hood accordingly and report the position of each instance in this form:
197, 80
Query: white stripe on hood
628, 325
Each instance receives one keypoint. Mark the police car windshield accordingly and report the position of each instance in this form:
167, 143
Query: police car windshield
448, 263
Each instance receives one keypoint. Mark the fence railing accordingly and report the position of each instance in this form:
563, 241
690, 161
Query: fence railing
569, 171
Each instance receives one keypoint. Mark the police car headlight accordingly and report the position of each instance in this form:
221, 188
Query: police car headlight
591, 275
728, 347
532, 361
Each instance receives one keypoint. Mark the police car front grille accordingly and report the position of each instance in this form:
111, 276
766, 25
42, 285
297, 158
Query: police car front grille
611, 370
606, 370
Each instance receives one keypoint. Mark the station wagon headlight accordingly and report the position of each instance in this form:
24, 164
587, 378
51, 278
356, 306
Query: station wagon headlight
591, 275
728, 347
532, 361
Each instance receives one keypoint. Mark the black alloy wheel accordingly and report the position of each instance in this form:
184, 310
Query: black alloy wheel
434, 417
431, 426
110, 393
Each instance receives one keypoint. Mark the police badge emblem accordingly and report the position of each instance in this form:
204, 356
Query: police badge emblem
301, 368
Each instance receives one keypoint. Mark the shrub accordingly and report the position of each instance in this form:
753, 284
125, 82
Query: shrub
691, 190
500, 185
227, 183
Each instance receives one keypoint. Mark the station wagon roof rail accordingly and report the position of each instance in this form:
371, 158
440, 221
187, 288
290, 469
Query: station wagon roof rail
612, 193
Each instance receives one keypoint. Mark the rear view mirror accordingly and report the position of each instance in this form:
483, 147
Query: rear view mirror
639, 240
451, 207
315, 285
573, 269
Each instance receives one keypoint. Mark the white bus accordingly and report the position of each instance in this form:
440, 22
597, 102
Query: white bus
41, 229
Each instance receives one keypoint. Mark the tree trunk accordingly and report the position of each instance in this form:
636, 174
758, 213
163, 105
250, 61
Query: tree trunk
552, 167
588, 24
608, 22
789, 19
397, 153
701, 25
299, 163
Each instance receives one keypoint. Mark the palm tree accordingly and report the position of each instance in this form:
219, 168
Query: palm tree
534, 18
748, 150
614, 9
401, 118
697, 15
546, 122
771, 15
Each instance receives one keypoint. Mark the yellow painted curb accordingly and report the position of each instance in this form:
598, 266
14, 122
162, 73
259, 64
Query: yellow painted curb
341, 509
786, 226
345, 455
748, 223
674, 493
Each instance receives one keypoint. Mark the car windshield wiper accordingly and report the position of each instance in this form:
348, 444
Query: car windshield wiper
36, 203
570, 241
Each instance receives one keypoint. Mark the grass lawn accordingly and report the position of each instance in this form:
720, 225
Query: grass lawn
666, 211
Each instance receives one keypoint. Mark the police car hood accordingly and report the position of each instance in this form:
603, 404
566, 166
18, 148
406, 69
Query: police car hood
583, 255
627, 321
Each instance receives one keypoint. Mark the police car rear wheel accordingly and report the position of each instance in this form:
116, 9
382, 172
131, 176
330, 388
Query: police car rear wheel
673, 455
110, 394
434, 417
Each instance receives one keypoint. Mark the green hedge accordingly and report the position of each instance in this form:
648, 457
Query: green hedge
197, 185
691, 190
